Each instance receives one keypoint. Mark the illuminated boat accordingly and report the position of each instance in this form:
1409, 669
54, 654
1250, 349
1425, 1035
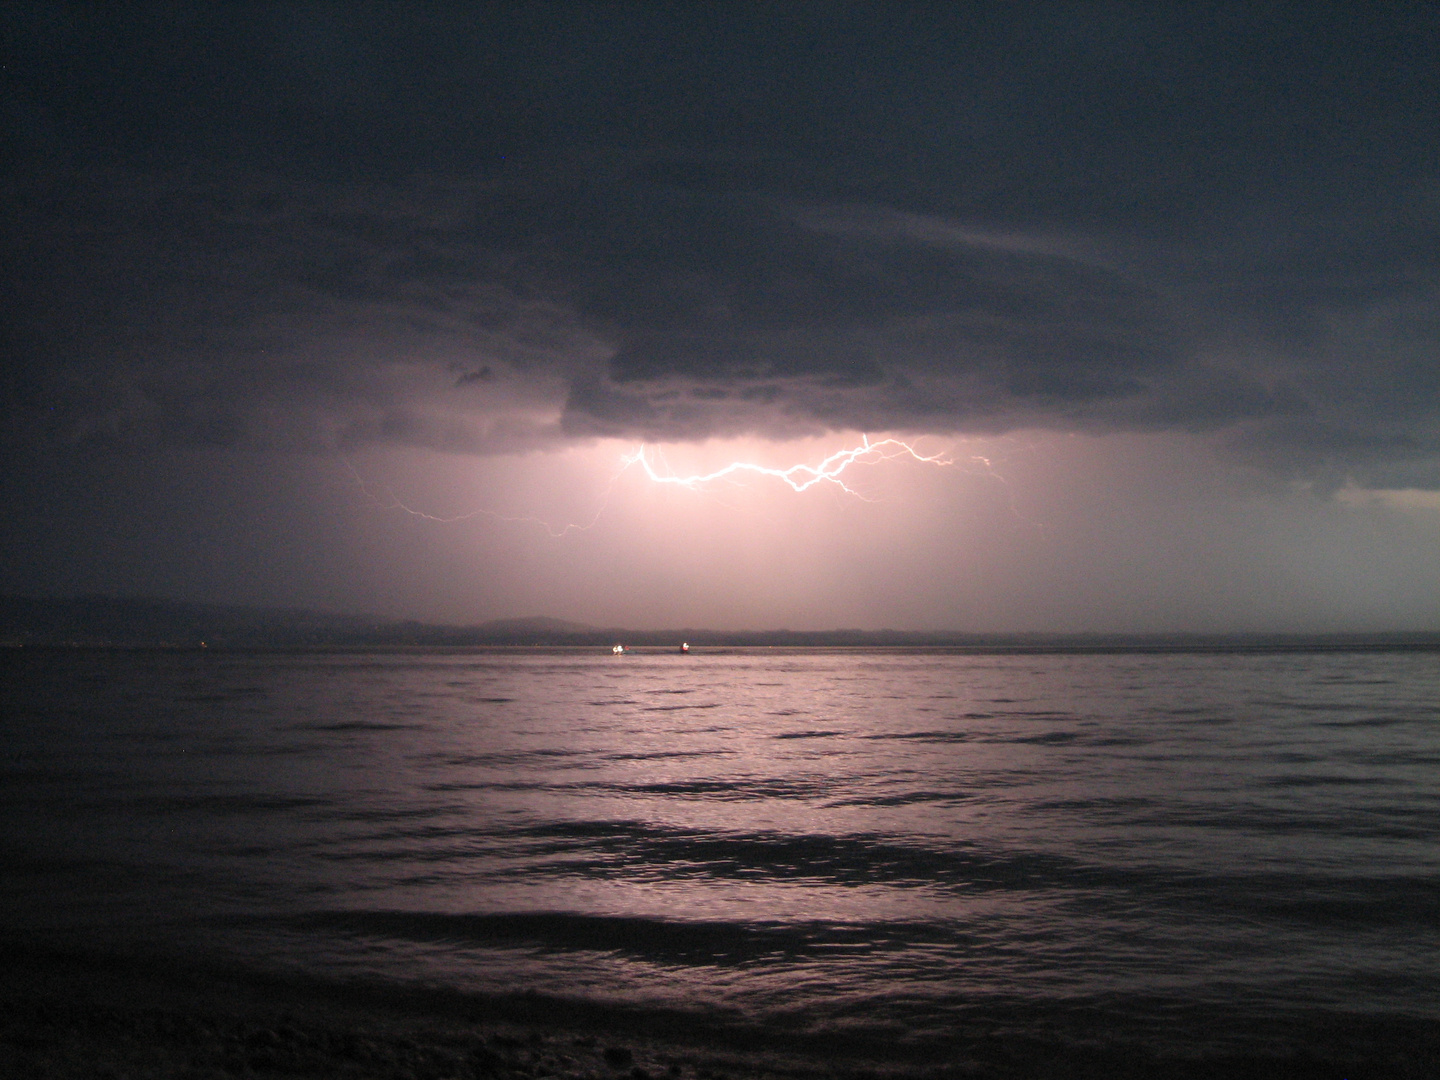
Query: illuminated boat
684, 646
618, 649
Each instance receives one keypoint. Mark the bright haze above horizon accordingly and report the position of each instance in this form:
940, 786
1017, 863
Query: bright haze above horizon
372, 307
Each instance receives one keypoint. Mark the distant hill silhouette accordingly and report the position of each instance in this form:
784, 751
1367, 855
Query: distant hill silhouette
135, 622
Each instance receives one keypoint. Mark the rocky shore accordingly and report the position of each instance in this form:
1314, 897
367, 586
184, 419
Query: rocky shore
65, 1017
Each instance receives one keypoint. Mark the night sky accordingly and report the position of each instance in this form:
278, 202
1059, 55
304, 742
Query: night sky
283, 285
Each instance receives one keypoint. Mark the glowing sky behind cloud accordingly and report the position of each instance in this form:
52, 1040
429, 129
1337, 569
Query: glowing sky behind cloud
283, 286
1029, 531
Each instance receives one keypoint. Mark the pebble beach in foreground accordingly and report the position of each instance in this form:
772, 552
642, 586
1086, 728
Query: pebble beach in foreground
71, 1016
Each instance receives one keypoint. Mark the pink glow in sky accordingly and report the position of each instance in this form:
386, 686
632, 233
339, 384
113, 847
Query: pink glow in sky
1020, 532
383, 334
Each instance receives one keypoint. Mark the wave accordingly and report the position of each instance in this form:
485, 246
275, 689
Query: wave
666, 941
858, 859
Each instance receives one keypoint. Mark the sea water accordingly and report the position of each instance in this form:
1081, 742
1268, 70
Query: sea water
886, 846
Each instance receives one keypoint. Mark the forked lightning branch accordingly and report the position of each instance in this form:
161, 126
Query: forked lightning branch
799, 478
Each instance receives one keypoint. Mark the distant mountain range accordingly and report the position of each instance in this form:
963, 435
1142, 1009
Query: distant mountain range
138, 622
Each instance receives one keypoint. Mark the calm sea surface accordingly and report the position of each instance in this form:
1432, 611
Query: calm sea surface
884, 845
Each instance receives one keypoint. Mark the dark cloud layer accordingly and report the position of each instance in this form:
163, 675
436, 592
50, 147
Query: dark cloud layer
323, 226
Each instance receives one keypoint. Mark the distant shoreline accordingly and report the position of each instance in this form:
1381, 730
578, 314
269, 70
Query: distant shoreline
127, 622
1298, 646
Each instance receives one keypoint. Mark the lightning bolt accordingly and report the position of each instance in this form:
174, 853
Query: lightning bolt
800, 478
392, 502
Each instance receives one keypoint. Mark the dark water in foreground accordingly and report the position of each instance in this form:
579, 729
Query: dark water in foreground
877, 845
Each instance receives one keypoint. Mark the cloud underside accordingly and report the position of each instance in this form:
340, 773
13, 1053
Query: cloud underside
251, 311
507, 228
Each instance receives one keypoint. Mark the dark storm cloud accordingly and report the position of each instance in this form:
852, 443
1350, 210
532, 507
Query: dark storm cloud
320, 226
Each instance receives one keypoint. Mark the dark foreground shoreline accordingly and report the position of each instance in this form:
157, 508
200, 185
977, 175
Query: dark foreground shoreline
74, 1015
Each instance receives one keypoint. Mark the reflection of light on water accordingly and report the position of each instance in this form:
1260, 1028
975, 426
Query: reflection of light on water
824, 838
